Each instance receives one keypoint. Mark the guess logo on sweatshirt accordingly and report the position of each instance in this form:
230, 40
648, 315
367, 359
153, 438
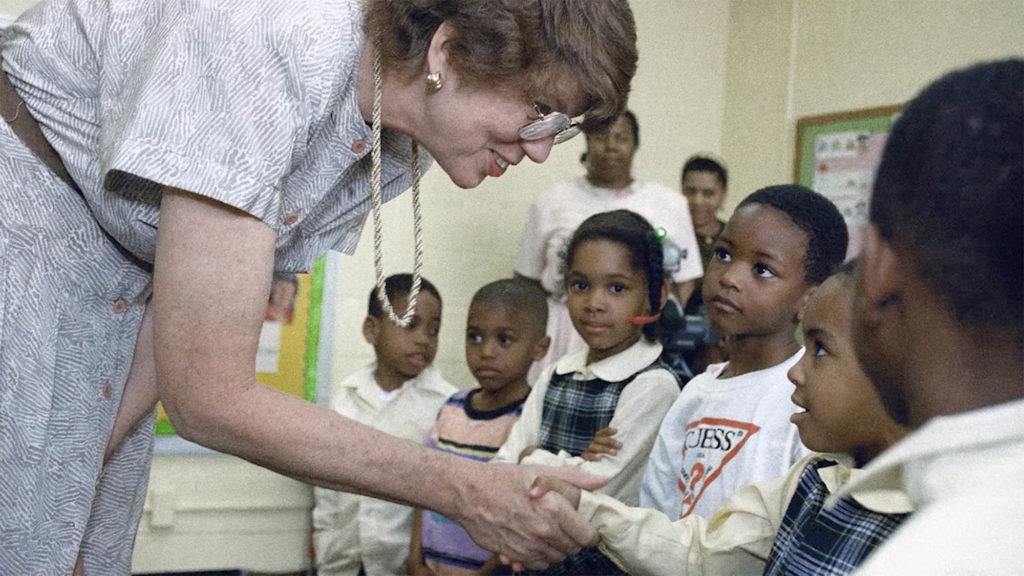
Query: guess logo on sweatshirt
712, 442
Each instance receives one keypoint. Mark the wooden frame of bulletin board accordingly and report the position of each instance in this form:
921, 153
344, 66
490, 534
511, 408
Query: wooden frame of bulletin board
289, 342
837, 156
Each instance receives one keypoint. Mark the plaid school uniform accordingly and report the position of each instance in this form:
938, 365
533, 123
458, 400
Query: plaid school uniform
574, 410
815, 541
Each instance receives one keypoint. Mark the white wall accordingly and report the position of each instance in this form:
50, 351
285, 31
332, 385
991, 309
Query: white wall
793, 58
14, 7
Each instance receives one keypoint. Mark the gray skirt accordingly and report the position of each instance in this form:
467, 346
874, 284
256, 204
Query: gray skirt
71, 301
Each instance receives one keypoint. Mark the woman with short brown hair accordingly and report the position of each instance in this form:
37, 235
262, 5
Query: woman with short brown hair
168, 155
525, 46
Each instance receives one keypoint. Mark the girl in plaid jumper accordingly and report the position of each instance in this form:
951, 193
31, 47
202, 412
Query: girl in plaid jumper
614, 278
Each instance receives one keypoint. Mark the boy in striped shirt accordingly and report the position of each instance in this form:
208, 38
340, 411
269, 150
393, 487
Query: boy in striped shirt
505, 335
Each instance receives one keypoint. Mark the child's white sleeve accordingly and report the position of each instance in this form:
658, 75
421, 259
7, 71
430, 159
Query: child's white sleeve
637, 419
642, 406
737, 539
526, 431
658, 485
335, 541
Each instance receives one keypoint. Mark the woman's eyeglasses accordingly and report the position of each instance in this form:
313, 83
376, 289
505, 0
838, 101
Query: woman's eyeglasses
555, 124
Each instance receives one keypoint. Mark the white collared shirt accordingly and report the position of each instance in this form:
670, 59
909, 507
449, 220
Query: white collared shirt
350, 530
638, 415
965, 475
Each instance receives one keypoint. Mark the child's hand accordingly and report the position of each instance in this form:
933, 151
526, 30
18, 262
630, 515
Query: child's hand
419, 569
492, 564
544, 484
528, 532
527, 451
602, 444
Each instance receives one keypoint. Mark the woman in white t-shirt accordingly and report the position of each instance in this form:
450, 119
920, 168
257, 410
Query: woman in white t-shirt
607, 185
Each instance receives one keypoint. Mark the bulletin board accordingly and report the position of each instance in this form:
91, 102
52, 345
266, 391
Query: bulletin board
289, 341
837, 156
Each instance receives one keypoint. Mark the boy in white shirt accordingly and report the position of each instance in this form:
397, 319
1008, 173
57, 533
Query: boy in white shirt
730, 425
400, 393
938, 323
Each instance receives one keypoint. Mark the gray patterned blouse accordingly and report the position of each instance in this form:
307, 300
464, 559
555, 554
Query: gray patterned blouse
252, 103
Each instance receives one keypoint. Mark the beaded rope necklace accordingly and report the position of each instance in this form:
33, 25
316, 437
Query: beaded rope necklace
375, 203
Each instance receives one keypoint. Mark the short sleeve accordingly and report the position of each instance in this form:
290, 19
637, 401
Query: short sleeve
664, 207
215, 102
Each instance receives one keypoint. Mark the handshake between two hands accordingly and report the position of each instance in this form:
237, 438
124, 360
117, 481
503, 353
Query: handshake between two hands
569, 483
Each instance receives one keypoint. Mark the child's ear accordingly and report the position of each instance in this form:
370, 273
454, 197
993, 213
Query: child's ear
371, 330
541, 349
664, 298
879, 275
802, 303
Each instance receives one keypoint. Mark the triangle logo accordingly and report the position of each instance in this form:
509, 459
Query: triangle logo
710, 444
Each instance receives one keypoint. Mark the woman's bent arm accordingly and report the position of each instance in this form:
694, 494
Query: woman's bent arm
210, 289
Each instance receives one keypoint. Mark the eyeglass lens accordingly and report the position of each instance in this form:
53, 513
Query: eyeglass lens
557, 124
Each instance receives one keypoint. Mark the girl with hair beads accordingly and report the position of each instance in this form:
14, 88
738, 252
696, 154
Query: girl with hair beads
616, 288
607, 185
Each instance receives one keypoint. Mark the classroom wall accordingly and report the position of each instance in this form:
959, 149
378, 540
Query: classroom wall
795, 58
728, 76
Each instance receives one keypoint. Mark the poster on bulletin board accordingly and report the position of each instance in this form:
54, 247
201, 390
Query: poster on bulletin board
837, 156
289, 341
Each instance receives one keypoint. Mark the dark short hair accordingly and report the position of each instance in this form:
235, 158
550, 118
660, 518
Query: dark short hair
700, 163
949, 191
396, 286
636, 234
526, 298
634, 127
818, 217
522, 45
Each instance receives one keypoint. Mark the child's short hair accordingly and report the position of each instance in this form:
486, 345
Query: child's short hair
818, 217
525, 297
702, 163
949, 191
645, 251
398, 285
